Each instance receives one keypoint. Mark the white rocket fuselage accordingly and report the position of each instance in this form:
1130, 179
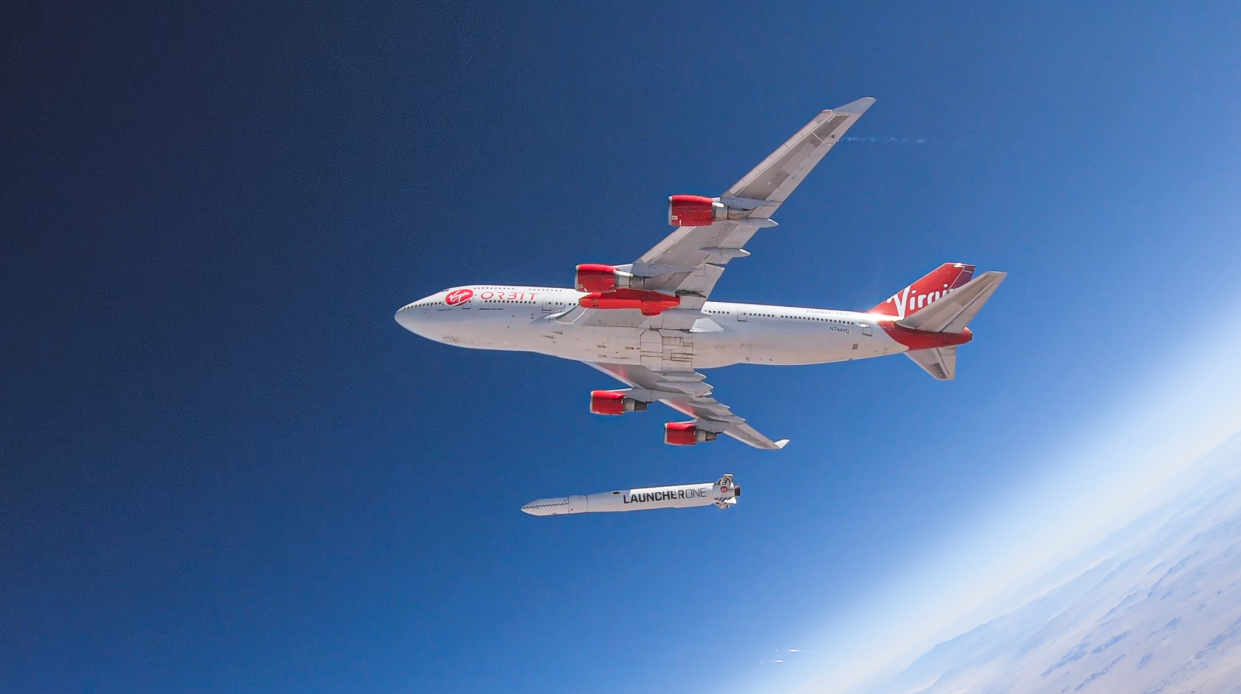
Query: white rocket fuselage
722, 493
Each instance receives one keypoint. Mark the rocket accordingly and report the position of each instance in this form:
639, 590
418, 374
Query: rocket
723, 493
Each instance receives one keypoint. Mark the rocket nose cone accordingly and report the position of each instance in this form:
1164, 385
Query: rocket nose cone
546, 507
538, 507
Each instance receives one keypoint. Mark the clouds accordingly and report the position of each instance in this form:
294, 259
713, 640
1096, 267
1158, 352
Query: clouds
1056, 527
1161, 609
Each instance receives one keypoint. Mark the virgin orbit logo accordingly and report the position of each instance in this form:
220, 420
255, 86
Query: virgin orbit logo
458, 297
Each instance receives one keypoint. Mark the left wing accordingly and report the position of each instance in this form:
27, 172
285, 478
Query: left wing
689, 393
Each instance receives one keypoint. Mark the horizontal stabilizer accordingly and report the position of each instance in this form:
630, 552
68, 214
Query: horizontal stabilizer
940, 362
952, 313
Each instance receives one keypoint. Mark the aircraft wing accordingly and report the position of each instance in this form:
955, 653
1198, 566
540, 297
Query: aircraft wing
690, 261
689, 393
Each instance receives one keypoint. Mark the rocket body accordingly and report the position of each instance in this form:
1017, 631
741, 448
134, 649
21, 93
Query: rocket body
723, 493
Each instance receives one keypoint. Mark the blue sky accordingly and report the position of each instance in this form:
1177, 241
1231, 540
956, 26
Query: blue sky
228, 469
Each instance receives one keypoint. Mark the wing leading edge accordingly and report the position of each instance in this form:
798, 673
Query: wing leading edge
689, 393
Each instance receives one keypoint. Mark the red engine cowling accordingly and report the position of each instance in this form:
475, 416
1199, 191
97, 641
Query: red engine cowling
685, 434
594, 277
611, 402
698, 210
692, 210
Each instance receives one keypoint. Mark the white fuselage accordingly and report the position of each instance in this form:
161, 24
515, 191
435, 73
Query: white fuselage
536, 319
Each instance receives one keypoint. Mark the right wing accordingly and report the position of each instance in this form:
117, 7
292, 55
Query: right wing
689, 393
690, 260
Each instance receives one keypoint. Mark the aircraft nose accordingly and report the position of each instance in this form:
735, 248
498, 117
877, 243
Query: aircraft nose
410, 317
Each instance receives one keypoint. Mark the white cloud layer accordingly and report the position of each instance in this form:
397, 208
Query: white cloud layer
1135, 459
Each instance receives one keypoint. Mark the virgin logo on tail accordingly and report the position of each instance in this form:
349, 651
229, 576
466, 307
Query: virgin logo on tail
944, 280
459, 296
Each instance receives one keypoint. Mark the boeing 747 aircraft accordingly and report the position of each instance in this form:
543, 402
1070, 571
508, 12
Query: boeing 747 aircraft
650, 325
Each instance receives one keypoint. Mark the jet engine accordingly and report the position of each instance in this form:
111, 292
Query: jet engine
595, 277
685, 434
698, 210
613, 402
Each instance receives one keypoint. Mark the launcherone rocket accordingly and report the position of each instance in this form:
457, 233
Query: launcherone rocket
722, 493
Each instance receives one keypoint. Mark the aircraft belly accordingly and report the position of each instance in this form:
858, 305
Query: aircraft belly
667, 350
597, 344
792, 344
492, 329
720, 348
662, 350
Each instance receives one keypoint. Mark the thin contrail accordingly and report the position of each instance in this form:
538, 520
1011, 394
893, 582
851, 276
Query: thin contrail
897, 140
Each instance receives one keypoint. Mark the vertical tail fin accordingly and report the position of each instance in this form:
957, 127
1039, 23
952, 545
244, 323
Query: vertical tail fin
917, 296
946, 313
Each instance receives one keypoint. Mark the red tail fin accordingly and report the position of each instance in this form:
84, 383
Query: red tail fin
944, 279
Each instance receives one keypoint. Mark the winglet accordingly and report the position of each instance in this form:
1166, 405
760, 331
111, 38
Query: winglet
782, 443
859, 107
